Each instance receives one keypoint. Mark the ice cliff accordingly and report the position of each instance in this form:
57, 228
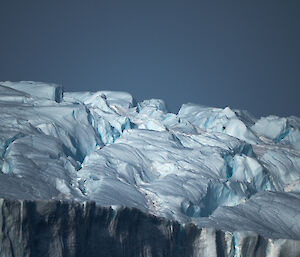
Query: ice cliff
203, 182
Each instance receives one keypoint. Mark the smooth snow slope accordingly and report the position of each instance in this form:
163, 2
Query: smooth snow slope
218, 168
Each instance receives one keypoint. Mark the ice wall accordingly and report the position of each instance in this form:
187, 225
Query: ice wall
60, 228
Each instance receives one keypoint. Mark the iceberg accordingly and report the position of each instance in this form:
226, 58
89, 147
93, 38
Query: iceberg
206, 181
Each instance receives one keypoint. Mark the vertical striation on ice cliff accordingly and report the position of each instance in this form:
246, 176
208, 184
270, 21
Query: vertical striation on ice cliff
65, 228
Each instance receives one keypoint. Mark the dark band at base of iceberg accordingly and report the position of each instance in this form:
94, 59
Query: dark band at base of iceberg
67, 228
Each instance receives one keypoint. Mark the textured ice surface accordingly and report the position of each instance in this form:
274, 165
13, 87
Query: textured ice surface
59, 228
217, 168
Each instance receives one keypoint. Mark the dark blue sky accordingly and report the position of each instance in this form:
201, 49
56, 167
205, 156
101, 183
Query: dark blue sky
243, 54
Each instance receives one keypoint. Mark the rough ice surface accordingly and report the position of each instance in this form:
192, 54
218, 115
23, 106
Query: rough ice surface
219, 169
59, 228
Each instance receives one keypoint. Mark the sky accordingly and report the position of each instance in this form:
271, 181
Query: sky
242, 54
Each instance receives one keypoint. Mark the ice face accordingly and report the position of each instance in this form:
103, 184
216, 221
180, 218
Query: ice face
36, 89
217, 120
203, 165
69, 229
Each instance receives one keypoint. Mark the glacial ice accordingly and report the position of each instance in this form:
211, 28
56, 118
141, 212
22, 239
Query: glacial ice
36, 89
216, 168
67, 228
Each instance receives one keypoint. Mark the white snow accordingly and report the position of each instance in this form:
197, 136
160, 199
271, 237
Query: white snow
214, 167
